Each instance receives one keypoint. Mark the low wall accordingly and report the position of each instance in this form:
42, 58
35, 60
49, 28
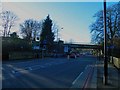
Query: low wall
116, 62
22, 55
111, 59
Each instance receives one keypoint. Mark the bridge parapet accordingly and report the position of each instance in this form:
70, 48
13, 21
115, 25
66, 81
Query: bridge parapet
85, 46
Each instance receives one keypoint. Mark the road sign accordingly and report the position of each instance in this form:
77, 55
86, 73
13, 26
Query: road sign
45, 41
66, 48
36, 47
37, 39
44, 47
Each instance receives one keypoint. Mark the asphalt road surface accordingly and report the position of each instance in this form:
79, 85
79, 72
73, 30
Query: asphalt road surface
46, 73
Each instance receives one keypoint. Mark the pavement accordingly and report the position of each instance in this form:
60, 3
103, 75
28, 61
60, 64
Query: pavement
92, 77
96, 81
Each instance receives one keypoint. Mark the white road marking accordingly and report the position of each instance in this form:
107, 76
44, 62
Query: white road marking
77, 78
87, 66
35, 67
1, 68
14, 71
49, 64
22, 62
42, 66
4, 78
30, 68
1, 77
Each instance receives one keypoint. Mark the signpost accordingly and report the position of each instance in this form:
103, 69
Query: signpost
36, 47
44, 47
66, 49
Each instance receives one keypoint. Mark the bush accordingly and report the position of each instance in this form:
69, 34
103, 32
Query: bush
116, 52
10, 44
20, 55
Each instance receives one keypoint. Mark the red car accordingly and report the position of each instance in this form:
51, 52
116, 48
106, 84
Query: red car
73, 55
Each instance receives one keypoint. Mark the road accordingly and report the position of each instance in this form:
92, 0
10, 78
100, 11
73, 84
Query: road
46, 73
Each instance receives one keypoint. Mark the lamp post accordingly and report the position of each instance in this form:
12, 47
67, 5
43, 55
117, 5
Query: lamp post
57, 34
57, 42
105, 77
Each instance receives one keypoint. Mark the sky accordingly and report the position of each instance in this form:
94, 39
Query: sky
74, 17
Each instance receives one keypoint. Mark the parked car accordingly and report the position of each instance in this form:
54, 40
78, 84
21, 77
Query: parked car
78, 55
73, 55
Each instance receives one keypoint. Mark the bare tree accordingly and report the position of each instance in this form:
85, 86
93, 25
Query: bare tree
113, 28
30, 29
71, 41
56, 30
8, 21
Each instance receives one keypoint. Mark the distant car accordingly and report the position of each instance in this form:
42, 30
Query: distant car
72, 55
78, 55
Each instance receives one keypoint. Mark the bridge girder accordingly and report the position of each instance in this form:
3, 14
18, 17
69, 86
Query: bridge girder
83, 46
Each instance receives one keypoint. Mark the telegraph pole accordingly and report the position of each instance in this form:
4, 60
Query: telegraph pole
105, 77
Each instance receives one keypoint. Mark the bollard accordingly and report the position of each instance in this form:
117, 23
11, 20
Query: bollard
68, 57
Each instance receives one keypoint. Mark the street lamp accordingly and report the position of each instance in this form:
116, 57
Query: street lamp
57, 34
58, 41
105, 78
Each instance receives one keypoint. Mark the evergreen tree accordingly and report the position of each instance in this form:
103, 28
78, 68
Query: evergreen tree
14, 35
47, 36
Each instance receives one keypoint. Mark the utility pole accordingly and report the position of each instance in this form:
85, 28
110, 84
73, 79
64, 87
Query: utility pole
57, 35
105, 77
56, 52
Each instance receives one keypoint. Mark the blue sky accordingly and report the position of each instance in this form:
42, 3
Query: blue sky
74, 17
